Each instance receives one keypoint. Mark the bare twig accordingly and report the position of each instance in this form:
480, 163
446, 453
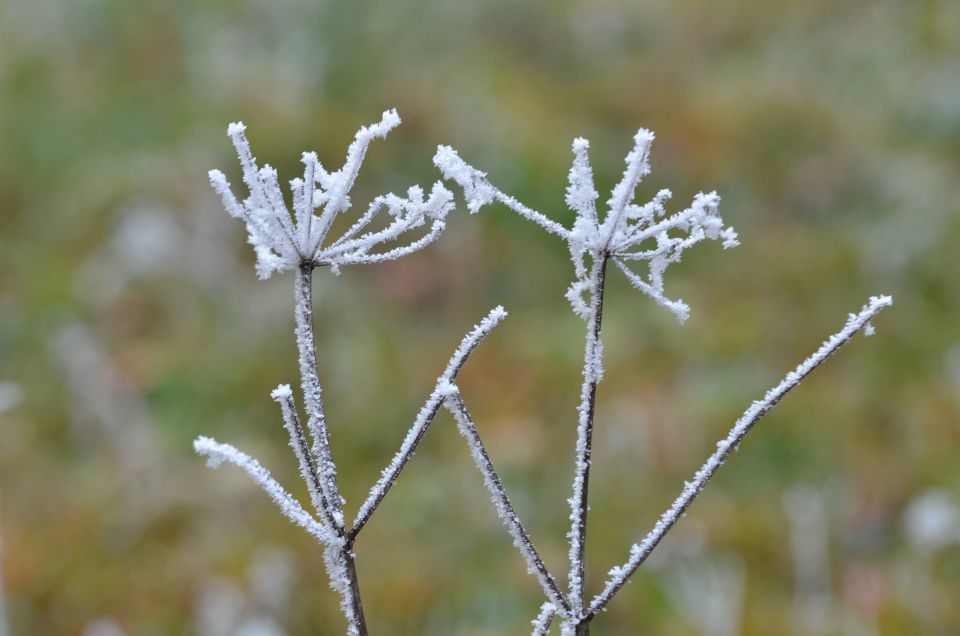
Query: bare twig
505, 510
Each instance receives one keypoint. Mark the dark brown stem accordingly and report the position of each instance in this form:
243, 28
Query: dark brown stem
350, 559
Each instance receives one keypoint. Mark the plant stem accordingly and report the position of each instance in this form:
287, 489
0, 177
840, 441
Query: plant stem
592, 373
350, 560
312, 393
317, 425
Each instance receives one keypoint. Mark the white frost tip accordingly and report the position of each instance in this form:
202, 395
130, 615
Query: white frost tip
580, 144
204, 445
644, 136
390, 118
498, 313
282, 392
236, 128
388, 122
869, 329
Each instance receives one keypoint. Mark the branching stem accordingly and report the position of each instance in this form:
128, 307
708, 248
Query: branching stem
426, 415
725, 447
317, 425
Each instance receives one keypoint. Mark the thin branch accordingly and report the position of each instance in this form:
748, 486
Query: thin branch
218, 453
337, 195
505, 510
541, 624
640, 551
479, 191
308, 471
373, 210
425, 417
397, 252
638, 166
678, 308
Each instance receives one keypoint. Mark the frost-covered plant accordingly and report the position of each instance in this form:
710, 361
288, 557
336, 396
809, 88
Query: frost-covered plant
297, 240
626, 233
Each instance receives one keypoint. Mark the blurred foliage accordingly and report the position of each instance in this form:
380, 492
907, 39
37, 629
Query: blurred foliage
131, 320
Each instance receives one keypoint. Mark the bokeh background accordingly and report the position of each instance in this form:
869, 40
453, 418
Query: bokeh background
131, 319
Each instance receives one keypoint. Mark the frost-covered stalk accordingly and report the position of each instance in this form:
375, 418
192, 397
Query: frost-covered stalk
296, 239
521, 538
592, 374
627, 232
639, 552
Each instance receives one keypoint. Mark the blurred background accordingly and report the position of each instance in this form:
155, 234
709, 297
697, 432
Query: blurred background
131, 319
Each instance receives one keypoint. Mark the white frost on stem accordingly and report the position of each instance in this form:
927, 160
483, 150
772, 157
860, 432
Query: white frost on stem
592, 375
501, 501
425, 417
335, 562
285, 239
313, 396
217, 453
541, 624
283, 396
479, 191
620, 235
640, 551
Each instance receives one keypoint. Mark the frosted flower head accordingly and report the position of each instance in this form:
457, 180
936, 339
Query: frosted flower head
285, 239
627, 232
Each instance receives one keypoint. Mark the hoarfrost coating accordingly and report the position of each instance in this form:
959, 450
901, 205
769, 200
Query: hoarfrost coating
626, 233
284, 240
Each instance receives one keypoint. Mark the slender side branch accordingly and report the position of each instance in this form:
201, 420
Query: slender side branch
640, 551
283, 395
505, 510
218, 453
425, 417
541, 624
479, 191
592, 374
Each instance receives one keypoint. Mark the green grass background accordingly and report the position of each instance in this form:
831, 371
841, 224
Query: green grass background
832, 131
